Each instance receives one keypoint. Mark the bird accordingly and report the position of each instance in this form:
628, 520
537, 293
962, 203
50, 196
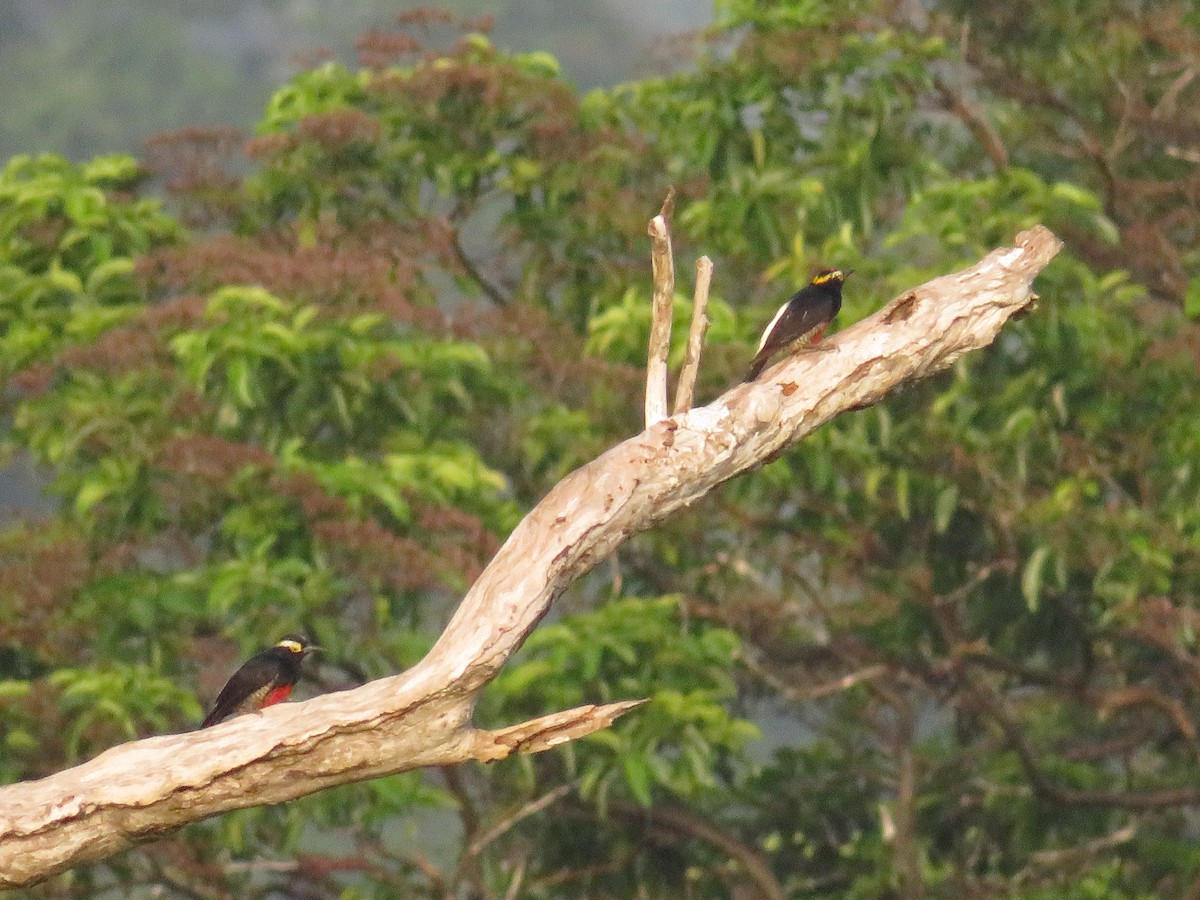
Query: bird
264, 679
806, 315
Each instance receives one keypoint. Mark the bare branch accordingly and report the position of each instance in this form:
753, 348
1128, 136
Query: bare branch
1101, 846
121, 798
550, 731
514, 886
695, 344
683, 821
490, 290
981, 129
816, 692
1045, 787
660, 323
141, 790
524, 812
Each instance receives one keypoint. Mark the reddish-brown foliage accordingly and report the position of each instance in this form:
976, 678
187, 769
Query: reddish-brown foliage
377, 49
198, 166
37, 586
117, 351
341, 278
211, 459
367, 549
315, 502
460, 540
337, 130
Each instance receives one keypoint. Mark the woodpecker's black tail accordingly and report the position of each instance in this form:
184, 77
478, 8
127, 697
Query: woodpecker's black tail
756, 367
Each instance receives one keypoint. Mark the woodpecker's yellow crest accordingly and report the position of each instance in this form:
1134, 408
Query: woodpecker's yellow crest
835, 275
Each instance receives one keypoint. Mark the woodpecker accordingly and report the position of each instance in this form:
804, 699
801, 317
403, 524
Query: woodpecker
264, 679
806, 315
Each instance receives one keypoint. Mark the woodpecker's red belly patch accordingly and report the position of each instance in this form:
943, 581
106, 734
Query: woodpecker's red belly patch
277, 695
262, 698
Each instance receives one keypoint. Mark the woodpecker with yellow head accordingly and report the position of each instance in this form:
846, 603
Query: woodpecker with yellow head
264, 679
803, 318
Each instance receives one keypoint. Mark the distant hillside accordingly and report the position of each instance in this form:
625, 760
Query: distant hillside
88, 78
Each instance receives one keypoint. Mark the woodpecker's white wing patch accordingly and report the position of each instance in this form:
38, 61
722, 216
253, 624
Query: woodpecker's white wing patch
762, 341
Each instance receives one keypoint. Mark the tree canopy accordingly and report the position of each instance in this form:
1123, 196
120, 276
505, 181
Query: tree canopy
946, 646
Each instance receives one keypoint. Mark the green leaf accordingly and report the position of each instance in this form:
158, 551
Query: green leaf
637, 776
64, 279
539, 63
241, 381
902, 496
90, 494
947, 503
114, 169
1031, 577
1191, 299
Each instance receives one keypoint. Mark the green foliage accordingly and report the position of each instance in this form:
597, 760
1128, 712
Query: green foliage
68, 237
279, 373
621, 331
128, 699
943, 647
635, 648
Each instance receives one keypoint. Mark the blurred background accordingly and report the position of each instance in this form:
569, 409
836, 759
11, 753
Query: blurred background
83, 78
301, 364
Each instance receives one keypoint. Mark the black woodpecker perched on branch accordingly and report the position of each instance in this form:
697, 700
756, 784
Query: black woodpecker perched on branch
805, 316
264, 679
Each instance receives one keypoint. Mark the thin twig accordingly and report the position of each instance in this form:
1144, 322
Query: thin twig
438, 887
906, 850
490, 290
514, 886
976, 579
565, 876
469, 869
527, 810
798, 695
660, 324
183, 882
1056, 859
995, 708
695, 344
685, 822
979, 127
467, 813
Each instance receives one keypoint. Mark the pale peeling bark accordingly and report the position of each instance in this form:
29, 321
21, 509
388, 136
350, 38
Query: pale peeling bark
422, 718
695, 343
662, 262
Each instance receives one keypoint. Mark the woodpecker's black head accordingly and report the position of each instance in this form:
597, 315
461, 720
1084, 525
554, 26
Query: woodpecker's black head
293, 647
297, 643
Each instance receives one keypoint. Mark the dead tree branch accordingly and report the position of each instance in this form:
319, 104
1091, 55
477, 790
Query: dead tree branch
695, 345
142, 790
663, 262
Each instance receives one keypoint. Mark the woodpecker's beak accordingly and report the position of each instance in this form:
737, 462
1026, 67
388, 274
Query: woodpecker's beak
313, 648
846, 273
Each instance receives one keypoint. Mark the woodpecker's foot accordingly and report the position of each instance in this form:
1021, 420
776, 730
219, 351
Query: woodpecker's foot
820, 348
